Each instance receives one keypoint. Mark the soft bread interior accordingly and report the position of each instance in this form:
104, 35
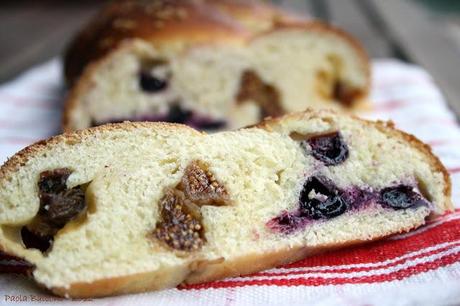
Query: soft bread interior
129, 166
305, 67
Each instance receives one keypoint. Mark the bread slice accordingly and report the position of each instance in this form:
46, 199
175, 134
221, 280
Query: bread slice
132, 207
215, 64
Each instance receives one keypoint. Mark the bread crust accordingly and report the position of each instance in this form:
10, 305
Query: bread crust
165, 21
198, 272
21, 157
140, 282
195, 270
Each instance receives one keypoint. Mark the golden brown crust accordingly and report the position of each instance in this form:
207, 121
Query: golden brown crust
21, 157
202, 271
170, 21
165, 21
140, 282
258, 262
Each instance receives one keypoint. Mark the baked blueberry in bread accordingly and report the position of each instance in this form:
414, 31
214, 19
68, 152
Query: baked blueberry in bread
132, 207
212, 64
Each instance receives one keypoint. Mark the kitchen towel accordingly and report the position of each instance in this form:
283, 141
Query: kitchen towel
418, 268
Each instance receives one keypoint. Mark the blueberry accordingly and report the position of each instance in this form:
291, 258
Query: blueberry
325, 203
210, 125
151, 83
178, 115
400, 197
329, 148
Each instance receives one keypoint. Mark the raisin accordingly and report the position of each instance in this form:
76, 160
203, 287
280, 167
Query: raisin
180, 226
57, 209
319, 200
58, 205
34, 241
265, 95
53, 181
178, 115
329, 148
13, 264
400, 197
201, 187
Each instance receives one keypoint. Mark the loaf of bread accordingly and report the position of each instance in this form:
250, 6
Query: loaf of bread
211, 64
131, 207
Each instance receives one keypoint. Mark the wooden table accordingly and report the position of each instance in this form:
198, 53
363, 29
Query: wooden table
33, 31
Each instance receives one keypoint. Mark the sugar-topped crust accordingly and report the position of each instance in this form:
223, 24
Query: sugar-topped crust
168, 22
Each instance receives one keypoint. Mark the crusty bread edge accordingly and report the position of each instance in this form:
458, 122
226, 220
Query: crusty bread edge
82, 85
20, 158
203, 271
148, 281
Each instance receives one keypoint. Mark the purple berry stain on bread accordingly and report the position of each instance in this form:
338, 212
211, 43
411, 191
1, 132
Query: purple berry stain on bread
359, 197
320, 199
288, 222
180, 224
58, 206
176, 114
401, 197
